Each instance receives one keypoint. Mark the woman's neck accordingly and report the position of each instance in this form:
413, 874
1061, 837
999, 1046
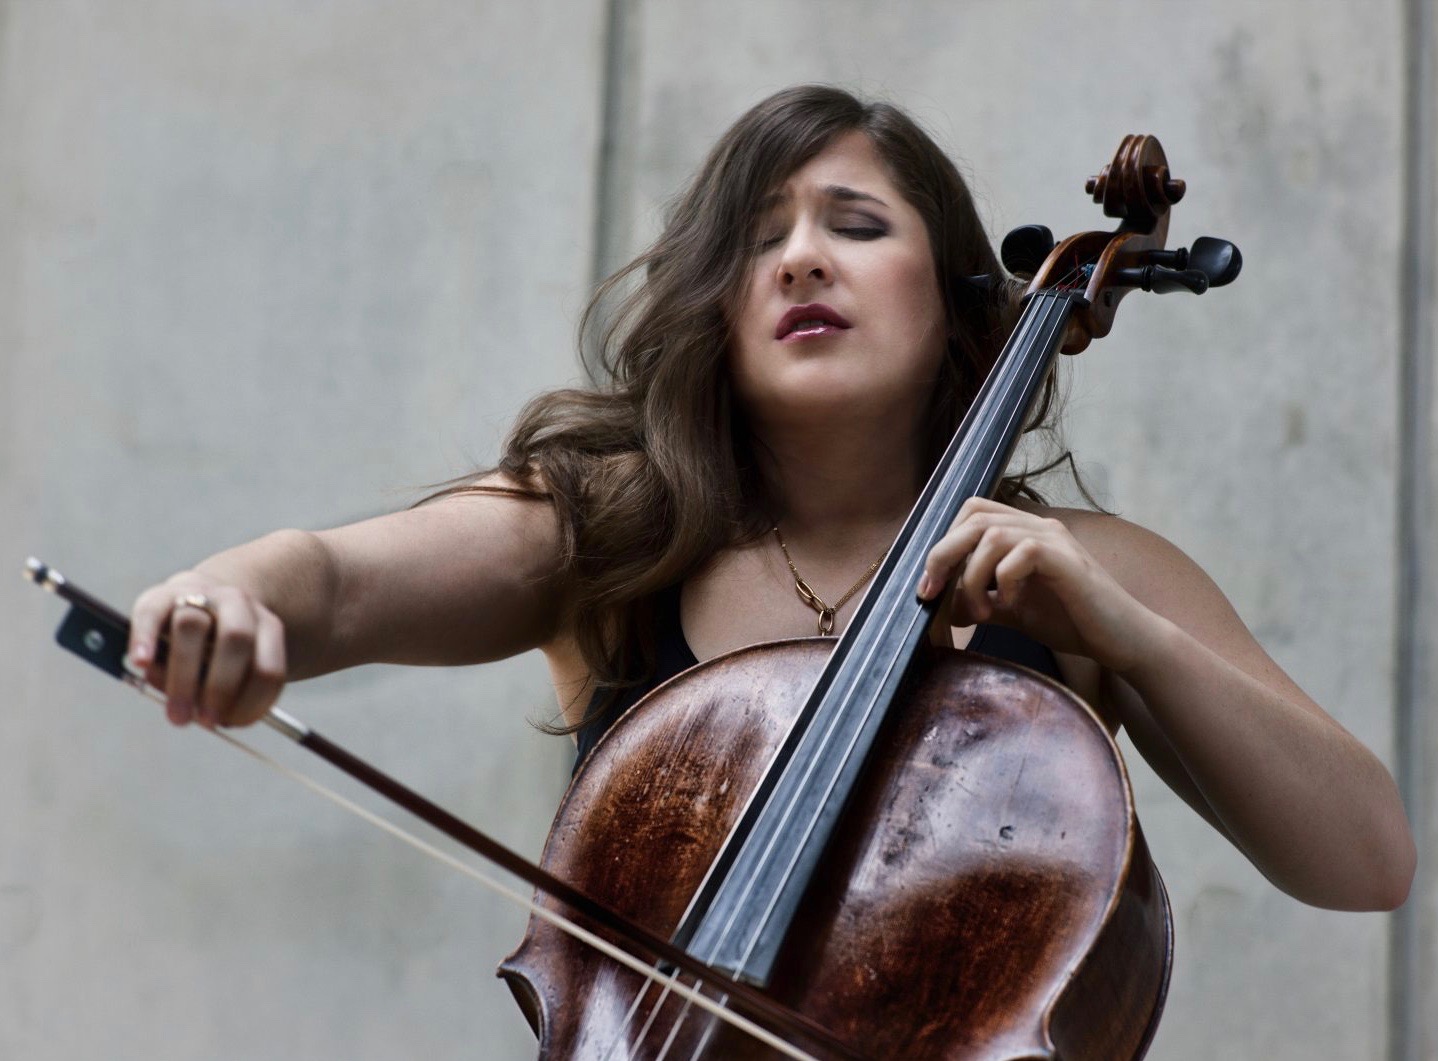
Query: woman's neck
839, 487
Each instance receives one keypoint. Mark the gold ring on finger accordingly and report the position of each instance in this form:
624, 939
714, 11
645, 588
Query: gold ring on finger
197, 600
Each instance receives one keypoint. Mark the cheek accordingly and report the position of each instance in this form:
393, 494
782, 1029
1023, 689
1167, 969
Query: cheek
751, 329
741, 332
923, 287
915, 294
741, 360
744, 317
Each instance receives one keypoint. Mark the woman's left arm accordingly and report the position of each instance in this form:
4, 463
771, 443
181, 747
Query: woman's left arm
1314, 810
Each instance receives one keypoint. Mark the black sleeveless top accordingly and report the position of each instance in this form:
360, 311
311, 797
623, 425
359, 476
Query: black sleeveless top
673, 654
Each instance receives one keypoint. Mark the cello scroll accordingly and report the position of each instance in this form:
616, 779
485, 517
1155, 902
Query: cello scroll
1138, 189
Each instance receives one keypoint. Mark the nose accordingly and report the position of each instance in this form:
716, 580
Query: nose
803, 258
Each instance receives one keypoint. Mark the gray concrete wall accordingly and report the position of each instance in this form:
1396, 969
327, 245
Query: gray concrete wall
267, 265
275, 265
1415, 928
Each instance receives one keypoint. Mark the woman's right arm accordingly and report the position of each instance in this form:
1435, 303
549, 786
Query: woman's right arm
463, 579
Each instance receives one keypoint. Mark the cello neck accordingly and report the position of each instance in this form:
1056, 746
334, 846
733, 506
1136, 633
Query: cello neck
738, 918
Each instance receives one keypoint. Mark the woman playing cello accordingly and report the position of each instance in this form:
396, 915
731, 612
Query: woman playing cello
795, 351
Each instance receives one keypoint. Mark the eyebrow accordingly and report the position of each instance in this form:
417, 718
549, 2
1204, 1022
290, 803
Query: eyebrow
839, 192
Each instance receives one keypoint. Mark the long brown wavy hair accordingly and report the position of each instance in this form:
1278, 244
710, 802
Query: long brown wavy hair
650, 470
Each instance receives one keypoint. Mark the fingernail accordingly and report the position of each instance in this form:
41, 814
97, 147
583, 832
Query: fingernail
926, 586
140, 654
180, 711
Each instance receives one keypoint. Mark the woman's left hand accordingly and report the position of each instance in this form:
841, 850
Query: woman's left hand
1028, 572
1314, 810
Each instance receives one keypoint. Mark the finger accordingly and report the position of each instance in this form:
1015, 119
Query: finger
189, 632
978, 573
976, 517
953, 550
147, 619
948, 554
230, 654
1013, 571
156, 675
266, 676
975, 506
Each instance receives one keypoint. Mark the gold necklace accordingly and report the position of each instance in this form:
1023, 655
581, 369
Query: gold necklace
812, 599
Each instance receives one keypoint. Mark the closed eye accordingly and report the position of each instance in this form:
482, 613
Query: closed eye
859, 232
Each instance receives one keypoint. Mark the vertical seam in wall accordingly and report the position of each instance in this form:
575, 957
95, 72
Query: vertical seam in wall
1407, 977
608, 190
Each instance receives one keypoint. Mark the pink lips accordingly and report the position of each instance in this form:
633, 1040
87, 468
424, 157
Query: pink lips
802, 322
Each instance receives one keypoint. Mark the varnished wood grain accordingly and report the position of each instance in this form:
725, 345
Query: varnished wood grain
989, 895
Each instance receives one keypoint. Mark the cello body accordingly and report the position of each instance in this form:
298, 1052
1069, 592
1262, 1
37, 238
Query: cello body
988, 894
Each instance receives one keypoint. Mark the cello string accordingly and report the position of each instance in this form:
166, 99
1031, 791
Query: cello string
557, 920
629, 1017
703, 1043
675, 1027
654, 1012
699, 1047
1051, 311
674, 1034
649, 1024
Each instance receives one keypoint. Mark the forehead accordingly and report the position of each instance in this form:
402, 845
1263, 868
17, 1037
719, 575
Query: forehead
850, 169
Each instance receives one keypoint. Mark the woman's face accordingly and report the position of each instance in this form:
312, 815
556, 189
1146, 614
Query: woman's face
841, 314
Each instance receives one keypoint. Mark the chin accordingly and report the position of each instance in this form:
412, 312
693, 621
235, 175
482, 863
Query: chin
837, 406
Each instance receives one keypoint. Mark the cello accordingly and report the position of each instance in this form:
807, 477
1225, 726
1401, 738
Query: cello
928, 853
836, 852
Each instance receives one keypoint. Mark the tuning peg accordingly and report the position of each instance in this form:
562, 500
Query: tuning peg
1174, 259
1025, 248
1217, 259
1163, 280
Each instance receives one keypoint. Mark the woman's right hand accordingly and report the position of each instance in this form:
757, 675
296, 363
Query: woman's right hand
225, 661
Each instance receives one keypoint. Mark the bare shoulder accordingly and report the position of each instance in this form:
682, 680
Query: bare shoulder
531, 524
1097, 528
1165, 579
521, 517
1147, 564
505, 530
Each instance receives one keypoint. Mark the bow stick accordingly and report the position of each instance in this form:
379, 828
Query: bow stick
99, 634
